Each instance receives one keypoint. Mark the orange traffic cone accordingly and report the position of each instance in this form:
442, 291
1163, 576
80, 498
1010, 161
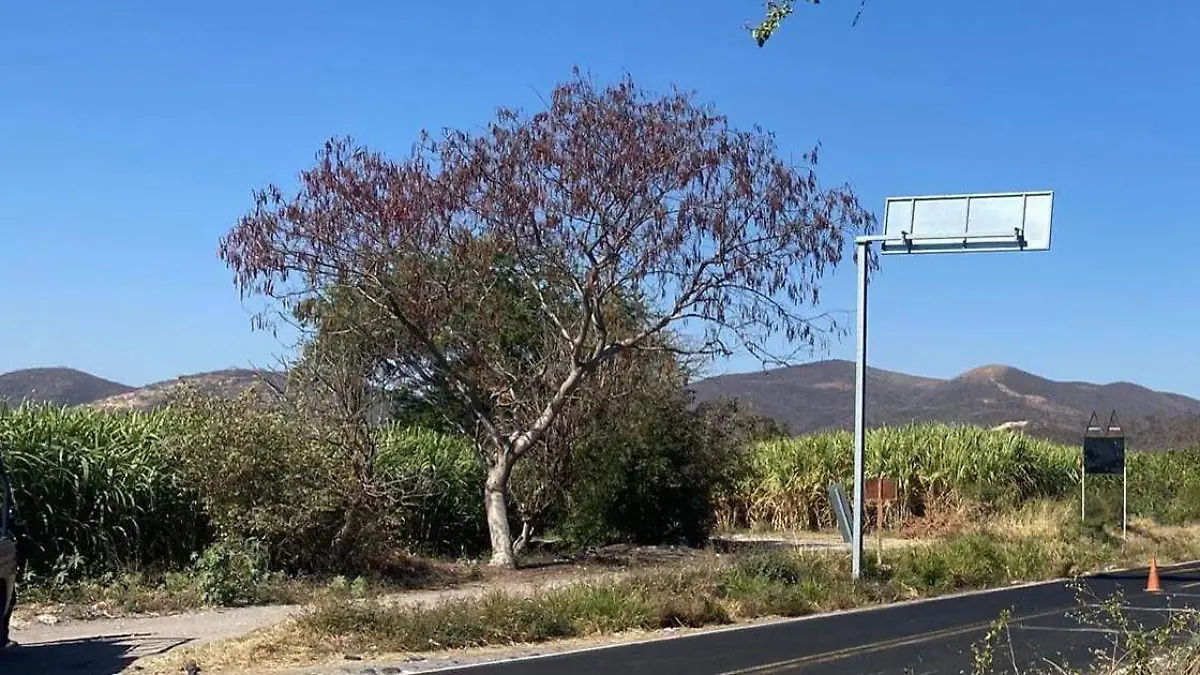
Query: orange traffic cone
1152, 583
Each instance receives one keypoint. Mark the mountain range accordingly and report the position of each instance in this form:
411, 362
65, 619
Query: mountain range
806, 398
820, 396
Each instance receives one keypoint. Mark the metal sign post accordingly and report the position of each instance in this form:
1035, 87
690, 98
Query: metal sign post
1104, 455
881, 491
1009, 221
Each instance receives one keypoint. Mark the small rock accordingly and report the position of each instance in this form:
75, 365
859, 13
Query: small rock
392, 671
47, 619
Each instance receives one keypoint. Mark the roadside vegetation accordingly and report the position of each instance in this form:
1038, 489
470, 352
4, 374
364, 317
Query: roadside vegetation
253, 511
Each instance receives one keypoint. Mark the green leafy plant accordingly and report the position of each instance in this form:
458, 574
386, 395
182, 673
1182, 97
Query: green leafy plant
233, 572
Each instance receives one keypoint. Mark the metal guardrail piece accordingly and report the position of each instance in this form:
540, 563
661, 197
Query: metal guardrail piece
841, 510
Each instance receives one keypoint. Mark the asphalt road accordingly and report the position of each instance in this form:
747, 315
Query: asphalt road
1049, 624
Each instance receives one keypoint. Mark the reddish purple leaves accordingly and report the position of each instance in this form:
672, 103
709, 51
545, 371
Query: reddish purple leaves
608, 194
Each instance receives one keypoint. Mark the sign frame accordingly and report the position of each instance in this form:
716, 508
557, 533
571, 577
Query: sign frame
1098, 440
944, 229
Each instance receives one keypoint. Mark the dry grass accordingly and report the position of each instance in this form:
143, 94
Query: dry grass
1042, 540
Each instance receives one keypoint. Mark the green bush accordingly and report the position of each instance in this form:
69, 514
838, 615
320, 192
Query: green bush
645, 476
262, 475
233, 572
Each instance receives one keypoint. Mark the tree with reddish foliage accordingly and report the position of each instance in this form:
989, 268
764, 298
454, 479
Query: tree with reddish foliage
508, 266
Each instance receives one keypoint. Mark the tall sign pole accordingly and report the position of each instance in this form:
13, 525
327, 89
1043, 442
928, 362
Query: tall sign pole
863, 248
1008, 221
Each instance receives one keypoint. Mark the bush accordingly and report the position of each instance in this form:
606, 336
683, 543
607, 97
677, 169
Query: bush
99, 492
233, 572
262, 475
645, 476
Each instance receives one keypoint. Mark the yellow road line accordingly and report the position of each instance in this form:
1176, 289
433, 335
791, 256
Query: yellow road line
780, 666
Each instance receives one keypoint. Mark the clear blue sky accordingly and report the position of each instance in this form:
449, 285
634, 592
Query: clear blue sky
132, 134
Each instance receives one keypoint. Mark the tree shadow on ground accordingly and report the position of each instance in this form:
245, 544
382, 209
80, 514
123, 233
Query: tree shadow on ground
104, 655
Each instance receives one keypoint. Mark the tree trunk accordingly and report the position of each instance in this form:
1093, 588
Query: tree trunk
495, 502
345, 539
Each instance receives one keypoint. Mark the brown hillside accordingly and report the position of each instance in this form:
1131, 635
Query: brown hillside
820, 395
224, 383
58, 386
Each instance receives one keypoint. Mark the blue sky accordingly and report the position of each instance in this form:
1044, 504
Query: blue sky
132, 134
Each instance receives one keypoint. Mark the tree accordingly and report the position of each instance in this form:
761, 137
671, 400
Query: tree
554, 224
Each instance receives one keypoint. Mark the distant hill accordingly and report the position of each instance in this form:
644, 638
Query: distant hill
820, 396
59, 386
807, 398
224, 383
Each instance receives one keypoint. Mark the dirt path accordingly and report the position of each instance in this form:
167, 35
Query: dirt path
110, 646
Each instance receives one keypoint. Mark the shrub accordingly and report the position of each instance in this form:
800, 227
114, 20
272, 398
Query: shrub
233, 572
262, 475
645, 476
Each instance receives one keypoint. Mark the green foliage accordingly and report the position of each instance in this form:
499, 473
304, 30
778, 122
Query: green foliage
100, 492
776, 13
261, 475
783, 583
233, 572
94, 493
973, 561
271, 478
647, 473
1162, 485
783, 482
444, 484
647, 602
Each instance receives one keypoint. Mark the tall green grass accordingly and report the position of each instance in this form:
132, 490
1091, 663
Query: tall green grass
443, 480
100, 492
782, 484
94, 491
784, 481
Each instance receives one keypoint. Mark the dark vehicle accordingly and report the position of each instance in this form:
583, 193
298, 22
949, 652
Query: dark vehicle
8, 557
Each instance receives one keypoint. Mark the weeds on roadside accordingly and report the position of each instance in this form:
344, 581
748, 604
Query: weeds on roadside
1172, 648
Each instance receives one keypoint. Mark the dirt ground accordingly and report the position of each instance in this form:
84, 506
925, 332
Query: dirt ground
51, 643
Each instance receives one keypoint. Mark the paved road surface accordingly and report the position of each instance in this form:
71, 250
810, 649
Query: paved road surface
913, 639
106, 646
